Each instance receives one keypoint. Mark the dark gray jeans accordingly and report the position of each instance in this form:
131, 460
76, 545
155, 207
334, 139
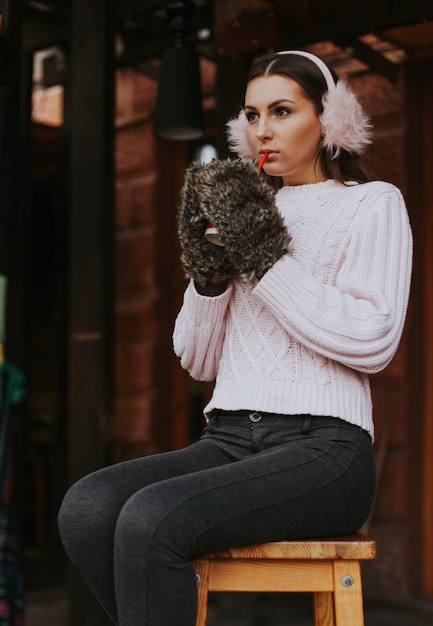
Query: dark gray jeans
132, 529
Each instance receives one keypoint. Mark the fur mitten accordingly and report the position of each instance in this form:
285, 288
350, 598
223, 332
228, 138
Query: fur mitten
234, 197
202, 260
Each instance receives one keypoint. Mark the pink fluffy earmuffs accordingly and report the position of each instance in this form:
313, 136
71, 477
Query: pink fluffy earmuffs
344, 123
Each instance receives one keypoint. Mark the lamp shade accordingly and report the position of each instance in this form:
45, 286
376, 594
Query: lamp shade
179, 111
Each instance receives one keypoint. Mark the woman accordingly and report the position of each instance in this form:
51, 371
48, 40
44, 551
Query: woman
289, 325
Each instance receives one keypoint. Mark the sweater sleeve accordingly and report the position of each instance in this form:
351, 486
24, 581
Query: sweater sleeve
358, 320
199, 332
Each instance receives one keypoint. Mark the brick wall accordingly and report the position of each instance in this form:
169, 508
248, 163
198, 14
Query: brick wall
136, 324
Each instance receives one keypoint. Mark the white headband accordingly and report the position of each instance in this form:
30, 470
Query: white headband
344, 124
320, 64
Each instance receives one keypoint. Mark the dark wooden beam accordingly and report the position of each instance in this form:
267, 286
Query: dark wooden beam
59, 7
44, 31
126, 8
232, 74
373, 58
341, 19
300, 23
90, 389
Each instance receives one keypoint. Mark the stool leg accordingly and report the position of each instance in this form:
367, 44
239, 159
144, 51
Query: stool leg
323, 605
202, 571
348, 602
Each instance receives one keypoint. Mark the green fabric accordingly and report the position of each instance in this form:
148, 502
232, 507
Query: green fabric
15, 391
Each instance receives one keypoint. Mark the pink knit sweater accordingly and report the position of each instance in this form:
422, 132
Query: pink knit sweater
305, 338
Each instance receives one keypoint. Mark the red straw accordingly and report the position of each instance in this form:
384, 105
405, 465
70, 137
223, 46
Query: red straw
263, 159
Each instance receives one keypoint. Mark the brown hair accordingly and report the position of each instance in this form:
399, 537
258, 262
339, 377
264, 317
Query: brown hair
346, 166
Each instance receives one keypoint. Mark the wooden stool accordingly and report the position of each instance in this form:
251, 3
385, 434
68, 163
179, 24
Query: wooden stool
330, 568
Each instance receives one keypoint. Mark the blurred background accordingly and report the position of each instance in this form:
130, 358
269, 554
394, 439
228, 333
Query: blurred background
103, 103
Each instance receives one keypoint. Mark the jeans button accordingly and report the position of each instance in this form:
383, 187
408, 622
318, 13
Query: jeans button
255, 417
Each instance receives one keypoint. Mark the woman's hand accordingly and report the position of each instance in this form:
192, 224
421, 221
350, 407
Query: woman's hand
208, 264
232, 195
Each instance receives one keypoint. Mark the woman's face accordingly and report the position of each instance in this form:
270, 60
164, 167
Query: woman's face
284, 122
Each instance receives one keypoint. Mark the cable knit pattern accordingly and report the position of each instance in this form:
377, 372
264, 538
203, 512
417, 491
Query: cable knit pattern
306, 336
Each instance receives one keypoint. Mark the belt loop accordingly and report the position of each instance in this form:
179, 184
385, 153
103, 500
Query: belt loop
306, 424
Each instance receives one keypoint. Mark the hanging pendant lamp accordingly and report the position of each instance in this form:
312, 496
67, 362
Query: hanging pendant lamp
179, 108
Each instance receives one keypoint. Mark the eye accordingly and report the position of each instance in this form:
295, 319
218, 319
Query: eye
282, 111
251, 116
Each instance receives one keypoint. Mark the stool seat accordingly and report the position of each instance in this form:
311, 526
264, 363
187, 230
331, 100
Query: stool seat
329, 568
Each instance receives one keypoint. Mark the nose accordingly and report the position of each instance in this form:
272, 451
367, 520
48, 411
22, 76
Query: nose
264, 128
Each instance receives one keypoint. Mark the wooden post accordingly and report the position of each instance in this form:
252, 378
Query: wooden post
91, 133
419, 143
169, 410
18, 232
231, 84
232, 71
